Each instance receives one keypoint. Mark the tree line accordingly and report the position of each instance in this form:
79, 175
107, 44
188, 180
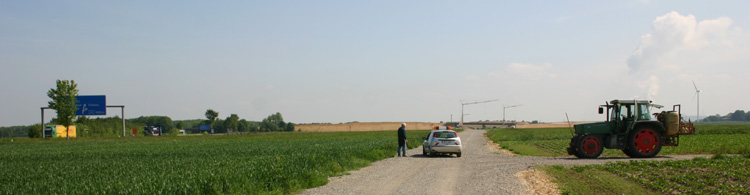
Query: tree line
63, 100
112, 126
738, 115
233, 123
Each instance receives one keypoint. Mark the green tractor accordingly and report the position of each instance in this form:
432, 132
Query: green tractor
630, 128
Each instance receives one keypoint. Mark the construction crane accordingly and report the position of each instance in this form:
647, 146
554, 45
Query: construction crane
504, 107
461, 124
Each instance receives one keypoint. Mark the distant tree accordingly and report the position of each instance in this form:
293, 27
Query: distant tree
35, 131
275, 122
738, 115
211, 115
64, 103
290, 126
266, 125
712, 118
243, 126
219, 127
231, 122
253, 126
194, 123
180, 125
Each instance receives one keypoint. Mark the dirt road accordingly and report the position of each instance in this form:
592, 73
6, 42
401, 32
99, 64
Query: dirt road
481, 170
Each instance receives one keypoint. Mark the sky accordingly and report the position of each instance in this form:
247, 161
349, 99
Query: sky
375, 61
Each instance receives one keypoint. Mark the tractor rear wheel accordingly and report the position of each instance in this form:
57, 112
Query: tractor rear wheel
589, 146
643, 142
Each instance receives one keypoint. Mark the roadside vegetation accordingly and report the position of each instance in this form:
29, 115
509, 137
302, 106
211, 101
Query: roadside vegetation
726, 173
264, 163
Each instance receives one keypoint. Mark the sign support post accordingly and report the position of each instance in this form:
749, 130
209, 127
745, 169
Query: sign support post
42, 108
122, 107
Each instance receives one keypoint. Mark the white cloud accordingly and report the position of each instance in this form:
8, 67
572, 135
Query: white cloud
673, 33
717, 31
681, 45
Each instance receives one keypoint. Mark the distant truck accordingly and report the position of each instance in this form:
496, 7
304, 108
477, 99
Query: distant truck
59, 131
152, 131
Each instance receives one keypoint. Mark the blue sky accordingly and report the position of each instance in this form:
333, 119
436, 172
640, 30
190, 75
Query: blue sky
340, 61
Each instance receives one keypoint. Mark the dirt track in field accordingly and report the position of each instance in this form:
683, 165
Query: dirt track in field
483, 169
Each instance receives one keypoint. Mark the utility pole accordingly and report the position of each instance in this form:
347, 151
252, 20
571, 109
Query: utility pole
504, 107
461, 124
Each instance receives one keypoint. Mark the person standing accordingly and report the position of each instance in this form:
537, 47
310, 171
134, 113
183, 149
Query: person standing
402, 140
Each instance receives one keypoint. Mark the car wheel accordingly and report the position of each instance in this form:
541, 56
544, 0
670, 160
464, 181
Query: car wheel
424, 152
458, 154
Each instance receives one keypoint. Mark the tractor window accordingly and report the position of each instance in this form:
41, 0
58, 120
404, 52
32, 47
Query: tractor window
615, 116
622, 112
644, 112
626, 112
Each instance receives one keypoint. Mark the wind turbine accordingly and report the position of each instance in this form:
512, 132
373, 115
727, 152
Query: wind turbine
698, 97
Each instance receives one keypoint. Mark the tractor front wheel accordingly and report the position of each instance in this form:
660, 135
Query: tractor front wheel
573, 146
643, 142
589, 146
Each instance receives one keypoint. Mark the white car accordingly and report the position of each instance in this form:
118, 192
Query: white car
442, 140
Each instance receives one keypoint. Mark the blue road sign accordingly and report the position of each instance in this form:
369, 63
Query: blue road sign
91, 105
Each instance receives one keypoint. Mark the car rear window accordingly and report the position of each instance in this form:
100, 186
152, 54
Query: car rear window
445, 134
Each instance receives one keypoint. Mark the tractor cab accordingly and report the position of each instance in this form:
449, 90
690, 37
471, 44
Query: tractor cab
623, 113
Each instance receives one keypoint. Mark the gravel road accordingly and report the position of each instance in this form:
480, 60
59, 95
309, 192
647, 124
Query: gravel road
481, 170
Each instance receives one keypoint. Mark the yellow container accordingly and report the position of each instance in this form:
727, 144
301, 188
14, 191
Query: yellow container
61, 131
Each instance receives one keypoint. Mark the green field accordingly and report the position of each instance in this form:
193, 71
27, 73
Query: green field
724, 174
709, 139
274, 163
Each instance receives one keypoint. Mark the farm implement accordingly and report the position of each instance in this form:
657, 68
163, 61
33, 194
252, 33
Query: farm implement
630, 128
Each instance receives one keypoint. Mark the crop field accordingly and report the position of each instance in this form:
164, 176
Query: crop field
709, 139
275, 163
723, 174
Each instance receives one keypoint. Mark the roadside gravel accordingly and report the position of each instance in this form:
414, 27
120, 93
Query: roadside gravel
483, 169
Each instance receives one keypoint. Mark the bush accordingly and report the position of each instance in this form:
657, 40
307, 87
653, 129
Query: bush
35, 131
